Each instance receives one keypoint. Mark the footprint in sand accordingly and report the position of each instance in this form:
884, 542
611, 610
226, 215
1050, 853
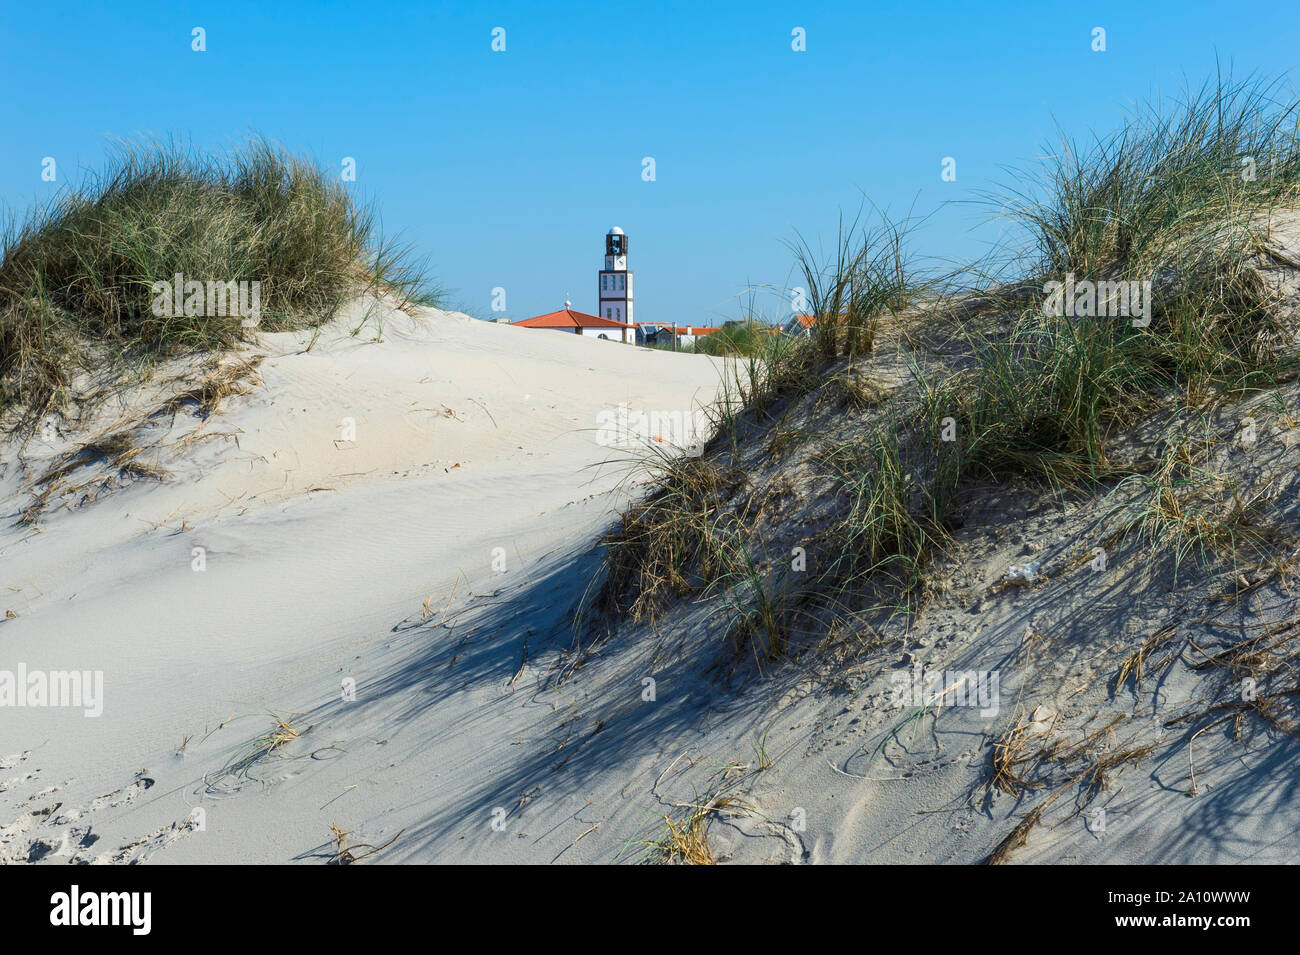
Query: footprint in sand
14, 844
136, 852
46, 834
123, 796
48, 848
69, 817
9, 762
13, 781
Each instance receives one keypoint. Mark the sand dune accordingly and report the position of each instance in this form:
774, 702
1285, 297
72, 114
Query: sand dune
320, 548
353, 588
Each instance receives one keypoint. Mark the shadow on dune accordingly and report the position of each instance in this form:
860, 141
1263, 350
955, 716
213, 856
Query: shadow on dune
500, 662
1248, 808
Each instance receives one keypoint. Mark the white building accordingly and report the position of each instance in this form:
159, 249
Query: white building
613, 318
569, 320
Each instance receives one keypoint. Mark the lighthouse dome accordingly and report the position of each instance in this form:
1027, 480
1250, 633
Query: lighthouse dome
615, 231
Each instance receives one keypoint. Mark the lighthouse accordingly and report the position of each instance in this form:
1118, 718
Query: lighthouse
615, 280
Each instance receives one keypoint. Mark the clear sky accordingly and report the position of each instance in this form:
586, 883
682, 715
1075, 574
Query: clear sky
507, 168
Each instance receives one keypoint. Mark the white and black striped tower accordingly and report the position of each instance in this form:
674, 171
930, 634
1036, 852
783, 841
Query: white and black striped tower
615, 279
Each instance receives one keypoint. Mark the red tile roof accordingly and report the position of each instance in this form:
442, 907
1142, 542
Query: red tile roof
569, 318
810, 321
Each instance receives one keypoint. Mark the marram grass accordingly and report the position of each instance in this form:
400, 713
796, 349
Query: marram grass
77, 275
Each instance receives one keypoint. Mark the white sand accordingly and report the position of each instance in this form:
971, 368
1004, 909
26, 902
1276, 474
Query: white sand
321, 560
319, 556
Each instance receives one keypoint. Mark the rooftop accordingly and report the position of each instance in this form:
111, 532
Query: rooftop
569, 318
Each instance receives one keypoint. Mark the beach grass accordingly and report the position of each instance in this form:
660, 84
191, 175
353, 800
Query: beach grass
78, 274
1177, 201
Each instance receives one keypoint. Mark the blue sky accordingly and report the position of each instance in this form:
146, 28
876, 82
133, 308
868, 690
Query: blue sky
506, 168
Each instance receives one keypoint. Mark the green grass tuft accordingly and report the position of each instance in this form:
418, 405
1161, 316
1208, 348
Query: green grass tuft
76, 276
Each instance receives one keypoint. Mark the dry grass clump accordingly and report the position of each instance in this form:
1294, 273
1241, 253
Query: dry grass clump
1012, 752
1016, 838
225, 380
121, 447
346, 853
117, 449
1184, 510
686, 837
1136, 664
280, 735
1020, 765
1262, 672
853, 392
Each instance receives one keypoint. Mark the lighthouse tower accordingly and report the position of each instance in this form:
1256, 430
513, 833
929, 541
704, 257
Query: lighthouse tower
615, 280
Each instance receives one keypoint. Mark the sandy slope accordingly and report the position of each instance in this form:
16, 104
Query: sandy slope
320, 554
372, 560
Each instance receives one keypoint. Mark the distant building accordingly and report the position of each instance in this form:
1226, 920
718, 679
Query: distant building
614, 318
568, 319
800, 325
650, 333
